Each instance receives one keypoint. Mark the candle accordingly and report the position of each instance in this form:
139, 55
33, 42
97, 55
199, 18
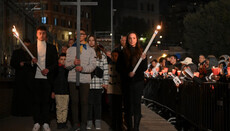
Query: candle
174, 71
215, 71
228, 69
178, 72
197, 74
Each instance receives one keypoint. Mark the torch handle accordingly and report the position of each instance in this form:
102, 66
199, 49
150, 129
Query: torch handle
150, 42
28, 51
145, 51
137, 65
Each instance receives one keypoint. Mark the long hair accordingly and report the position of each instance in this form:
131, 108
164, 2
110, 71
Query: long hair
131, 57
96, 48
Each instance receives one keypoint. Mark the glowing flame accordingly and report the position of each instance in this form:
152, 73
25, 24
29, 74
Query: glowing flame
15, 31
164, 55
158, 27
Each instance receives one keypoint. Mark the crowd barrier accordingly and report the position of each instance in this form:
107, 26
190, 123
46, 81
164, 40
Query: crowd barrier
205, 106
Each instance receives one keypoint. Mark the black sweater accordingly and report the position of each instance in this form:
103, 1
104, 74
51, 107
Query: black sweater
124, 71
60, 82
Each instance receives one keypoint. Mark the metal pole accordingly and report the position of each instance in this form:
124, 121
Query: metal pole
111, 25
78, 39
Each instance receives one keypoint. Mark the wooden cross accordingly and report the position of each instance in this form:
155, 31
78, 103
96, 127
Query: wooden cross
79, 4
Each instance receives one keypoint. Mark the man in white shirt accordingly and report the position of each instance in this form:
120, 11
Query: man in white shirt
46, 56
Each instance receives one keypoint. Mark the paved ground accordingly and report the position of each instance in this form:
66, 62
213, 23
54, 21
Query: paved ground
149, 122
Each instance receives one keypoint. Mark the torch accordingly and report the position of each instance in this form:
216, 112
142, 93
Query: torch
147, 48
15, 33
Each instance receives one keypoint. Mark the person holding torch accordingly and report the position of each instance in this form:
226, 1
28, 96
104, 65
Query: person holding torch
45, 55
133, 82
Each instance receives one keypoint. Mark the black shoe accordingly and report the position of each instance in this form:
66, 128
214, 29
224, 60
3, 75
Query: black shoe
83, 127
59, 125
75, 128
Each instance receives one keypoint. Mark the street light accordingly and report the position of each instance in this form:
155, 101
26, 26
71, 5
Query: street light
70, 33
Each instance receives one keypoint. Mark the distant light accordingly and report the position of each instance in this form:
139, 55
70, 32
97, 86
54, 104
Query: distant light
70, 33
111, 34
141, 38
150, 57
161, 36
158, 42
164, 55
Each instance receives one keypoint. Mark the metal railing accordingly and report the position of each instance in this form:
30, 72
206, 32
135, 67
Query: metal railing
204, 106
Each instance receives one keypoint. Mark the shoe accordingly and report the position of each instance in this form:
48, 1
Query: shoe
75, 128
61, 126
98, 124
89, 125
46, 127
36, 127
83, 127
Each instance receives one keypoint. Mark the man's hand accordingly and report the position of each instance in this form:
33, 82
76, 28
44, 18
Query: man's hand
45, 72
53, 95
22, 63
79, 68
77, 61
34, 60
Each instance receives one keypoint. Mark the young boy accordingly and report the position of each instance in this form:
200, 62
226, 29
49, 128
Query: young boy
61, 93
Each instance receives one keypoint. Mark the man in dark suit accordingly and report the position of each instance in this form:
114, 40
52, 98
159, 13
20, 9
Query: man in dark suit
46, 56
21, 62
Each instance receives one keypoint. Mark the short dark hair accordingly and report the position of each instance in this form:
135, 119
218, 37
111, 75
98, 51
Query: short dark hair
42, 27
174, 56
26, 40
62, 54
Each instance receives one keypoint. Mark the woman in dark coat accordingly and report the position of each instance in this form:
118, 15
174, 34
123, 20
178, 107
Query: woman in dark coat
22, 97
133, 83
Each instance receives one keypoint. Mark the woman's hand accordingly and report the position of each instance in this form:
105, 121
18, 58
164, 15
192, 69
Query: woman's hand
143, 56
131, 74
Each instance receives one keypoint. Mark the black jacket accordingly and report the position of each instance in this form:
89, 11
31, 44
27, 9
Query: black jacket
61, 82
51, 60
124, 71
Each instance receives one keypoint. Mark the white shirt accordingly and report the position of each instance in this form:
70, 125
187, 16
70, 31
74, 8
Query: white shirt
41, 49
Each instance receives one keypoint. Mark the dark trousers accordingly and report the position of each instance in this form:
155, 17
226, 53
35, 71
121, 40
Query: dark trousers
135, 91
94, 111
42, 96
115, 103
79, 97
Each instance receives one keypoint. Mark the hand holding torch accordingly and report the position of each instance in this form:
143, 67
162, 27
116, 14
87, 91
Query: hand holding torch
147, 48
16, 34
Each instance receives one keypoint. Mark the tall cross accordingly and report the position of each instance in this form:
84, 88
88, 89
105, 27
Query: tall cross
79, 4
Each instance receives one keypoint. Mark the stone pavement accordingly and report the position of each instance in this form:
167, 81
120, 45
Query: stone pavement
149, 122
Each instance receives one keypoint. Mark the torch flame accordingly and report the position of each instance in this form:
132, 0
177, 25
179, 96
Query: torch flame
15, 31
158, 27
